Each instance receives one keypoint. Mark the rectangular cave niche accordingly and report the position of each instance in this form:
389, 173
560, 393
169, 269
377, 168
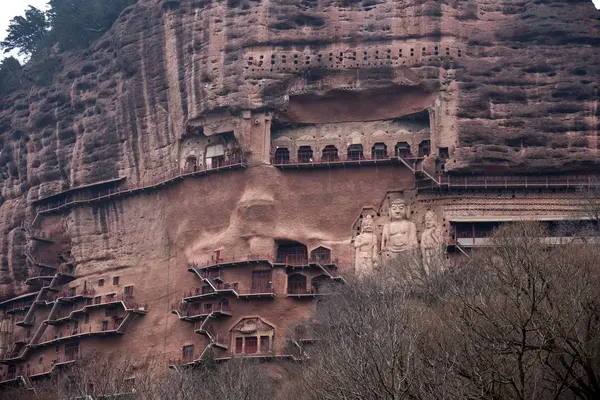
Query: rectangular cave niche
407, 136
199, 152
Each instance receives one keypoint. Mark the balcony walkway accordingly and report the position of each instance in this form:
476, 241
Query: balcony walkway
126, 190
334, 162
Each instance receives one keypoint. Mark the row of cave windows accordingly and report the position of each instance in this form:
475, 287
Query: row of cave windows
354, 152
262, 282
71, 353
353, 57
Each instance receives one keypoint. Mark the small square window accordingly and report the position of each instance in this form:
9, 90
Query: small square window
115, 280
188, 352
100, 282
128, 291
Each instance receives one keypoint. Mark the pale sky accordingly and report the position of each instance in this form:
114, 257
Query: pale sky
10, 8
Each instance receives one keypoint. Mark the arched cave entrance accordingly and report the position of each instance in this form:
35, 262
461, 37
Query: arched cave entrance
282, 156
330, 153
305, 154
424, 148
321, 255
402, 149
355, 152
290, 252
379, 151
191, 163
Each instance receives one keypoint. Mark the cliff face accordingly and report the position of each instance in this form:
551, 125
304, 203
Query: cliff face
509, 86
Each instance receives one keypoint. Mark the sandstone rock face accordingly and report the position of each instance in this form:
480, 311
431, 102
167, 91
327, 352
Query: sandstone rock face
496, 86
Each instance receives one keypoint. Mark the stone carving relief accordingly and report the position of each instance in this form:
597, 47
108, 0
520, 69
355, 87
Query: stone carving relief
252, 326
399, 234
392, 240
431, 244
252, 329
366, 247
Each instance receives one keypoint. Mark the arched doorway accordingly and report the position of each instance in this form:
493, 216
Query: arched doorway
191, 164
330, 153
424, 148
379, 151
290, 252
355, 152
305, 154
321, 255
282, 156
402, 149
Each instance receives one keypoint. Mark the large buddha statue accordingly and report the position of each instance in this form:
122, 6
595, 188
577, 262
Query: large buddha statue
400, 234
366, 246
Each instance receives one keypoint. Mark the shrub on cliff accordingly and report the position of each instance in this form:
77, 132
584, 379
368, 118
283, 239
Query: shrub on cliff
72, 24
10, 75
77, 23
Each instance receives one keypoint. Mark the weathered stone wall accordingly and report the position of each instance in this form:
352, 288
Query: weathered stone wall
509, 86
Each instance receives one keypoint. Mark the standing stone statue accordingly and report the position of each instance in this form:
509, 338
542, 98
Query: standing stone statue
431, 244
400, 234
367, 247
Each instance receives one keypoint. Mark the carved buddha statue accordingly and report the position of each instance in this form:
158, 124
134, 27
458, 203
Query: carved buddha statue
400, 234
366, 248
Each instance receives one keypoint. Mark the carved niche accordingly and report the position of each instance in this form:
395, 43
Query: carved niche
366, 247
432, 244
389, 238
252, 336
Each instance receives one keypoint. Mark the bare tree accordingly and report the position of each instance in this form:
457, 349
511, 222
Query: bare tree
526, 317
521, 320
236, 379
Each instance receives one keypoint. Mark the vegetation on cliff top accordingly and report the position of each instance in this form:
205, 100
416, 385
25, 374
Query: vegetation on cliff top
70, 24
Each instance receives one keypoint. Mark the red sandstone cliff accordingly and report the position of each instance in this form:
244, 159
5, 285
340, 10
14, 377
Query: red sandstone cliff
518, 78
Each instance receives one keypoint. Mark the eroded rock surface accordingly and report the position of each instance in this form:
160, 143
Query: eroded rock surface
501, 86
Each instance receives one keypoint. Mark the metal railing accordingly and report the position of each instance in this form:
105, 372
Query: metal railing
126, 188
127, 301
19, 306
271, 258
517, 181
313, 290
332, 158
188, 309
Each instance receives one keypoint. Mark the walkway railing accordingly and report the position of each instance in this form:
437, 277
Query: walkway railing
304, 291
188, 310
332, 159
19, 306
94, 195
279, 259
523, 181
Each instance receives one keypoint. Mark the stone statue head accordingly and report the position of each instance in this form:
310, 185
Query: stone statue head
398, 209
430, 220
368, 224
